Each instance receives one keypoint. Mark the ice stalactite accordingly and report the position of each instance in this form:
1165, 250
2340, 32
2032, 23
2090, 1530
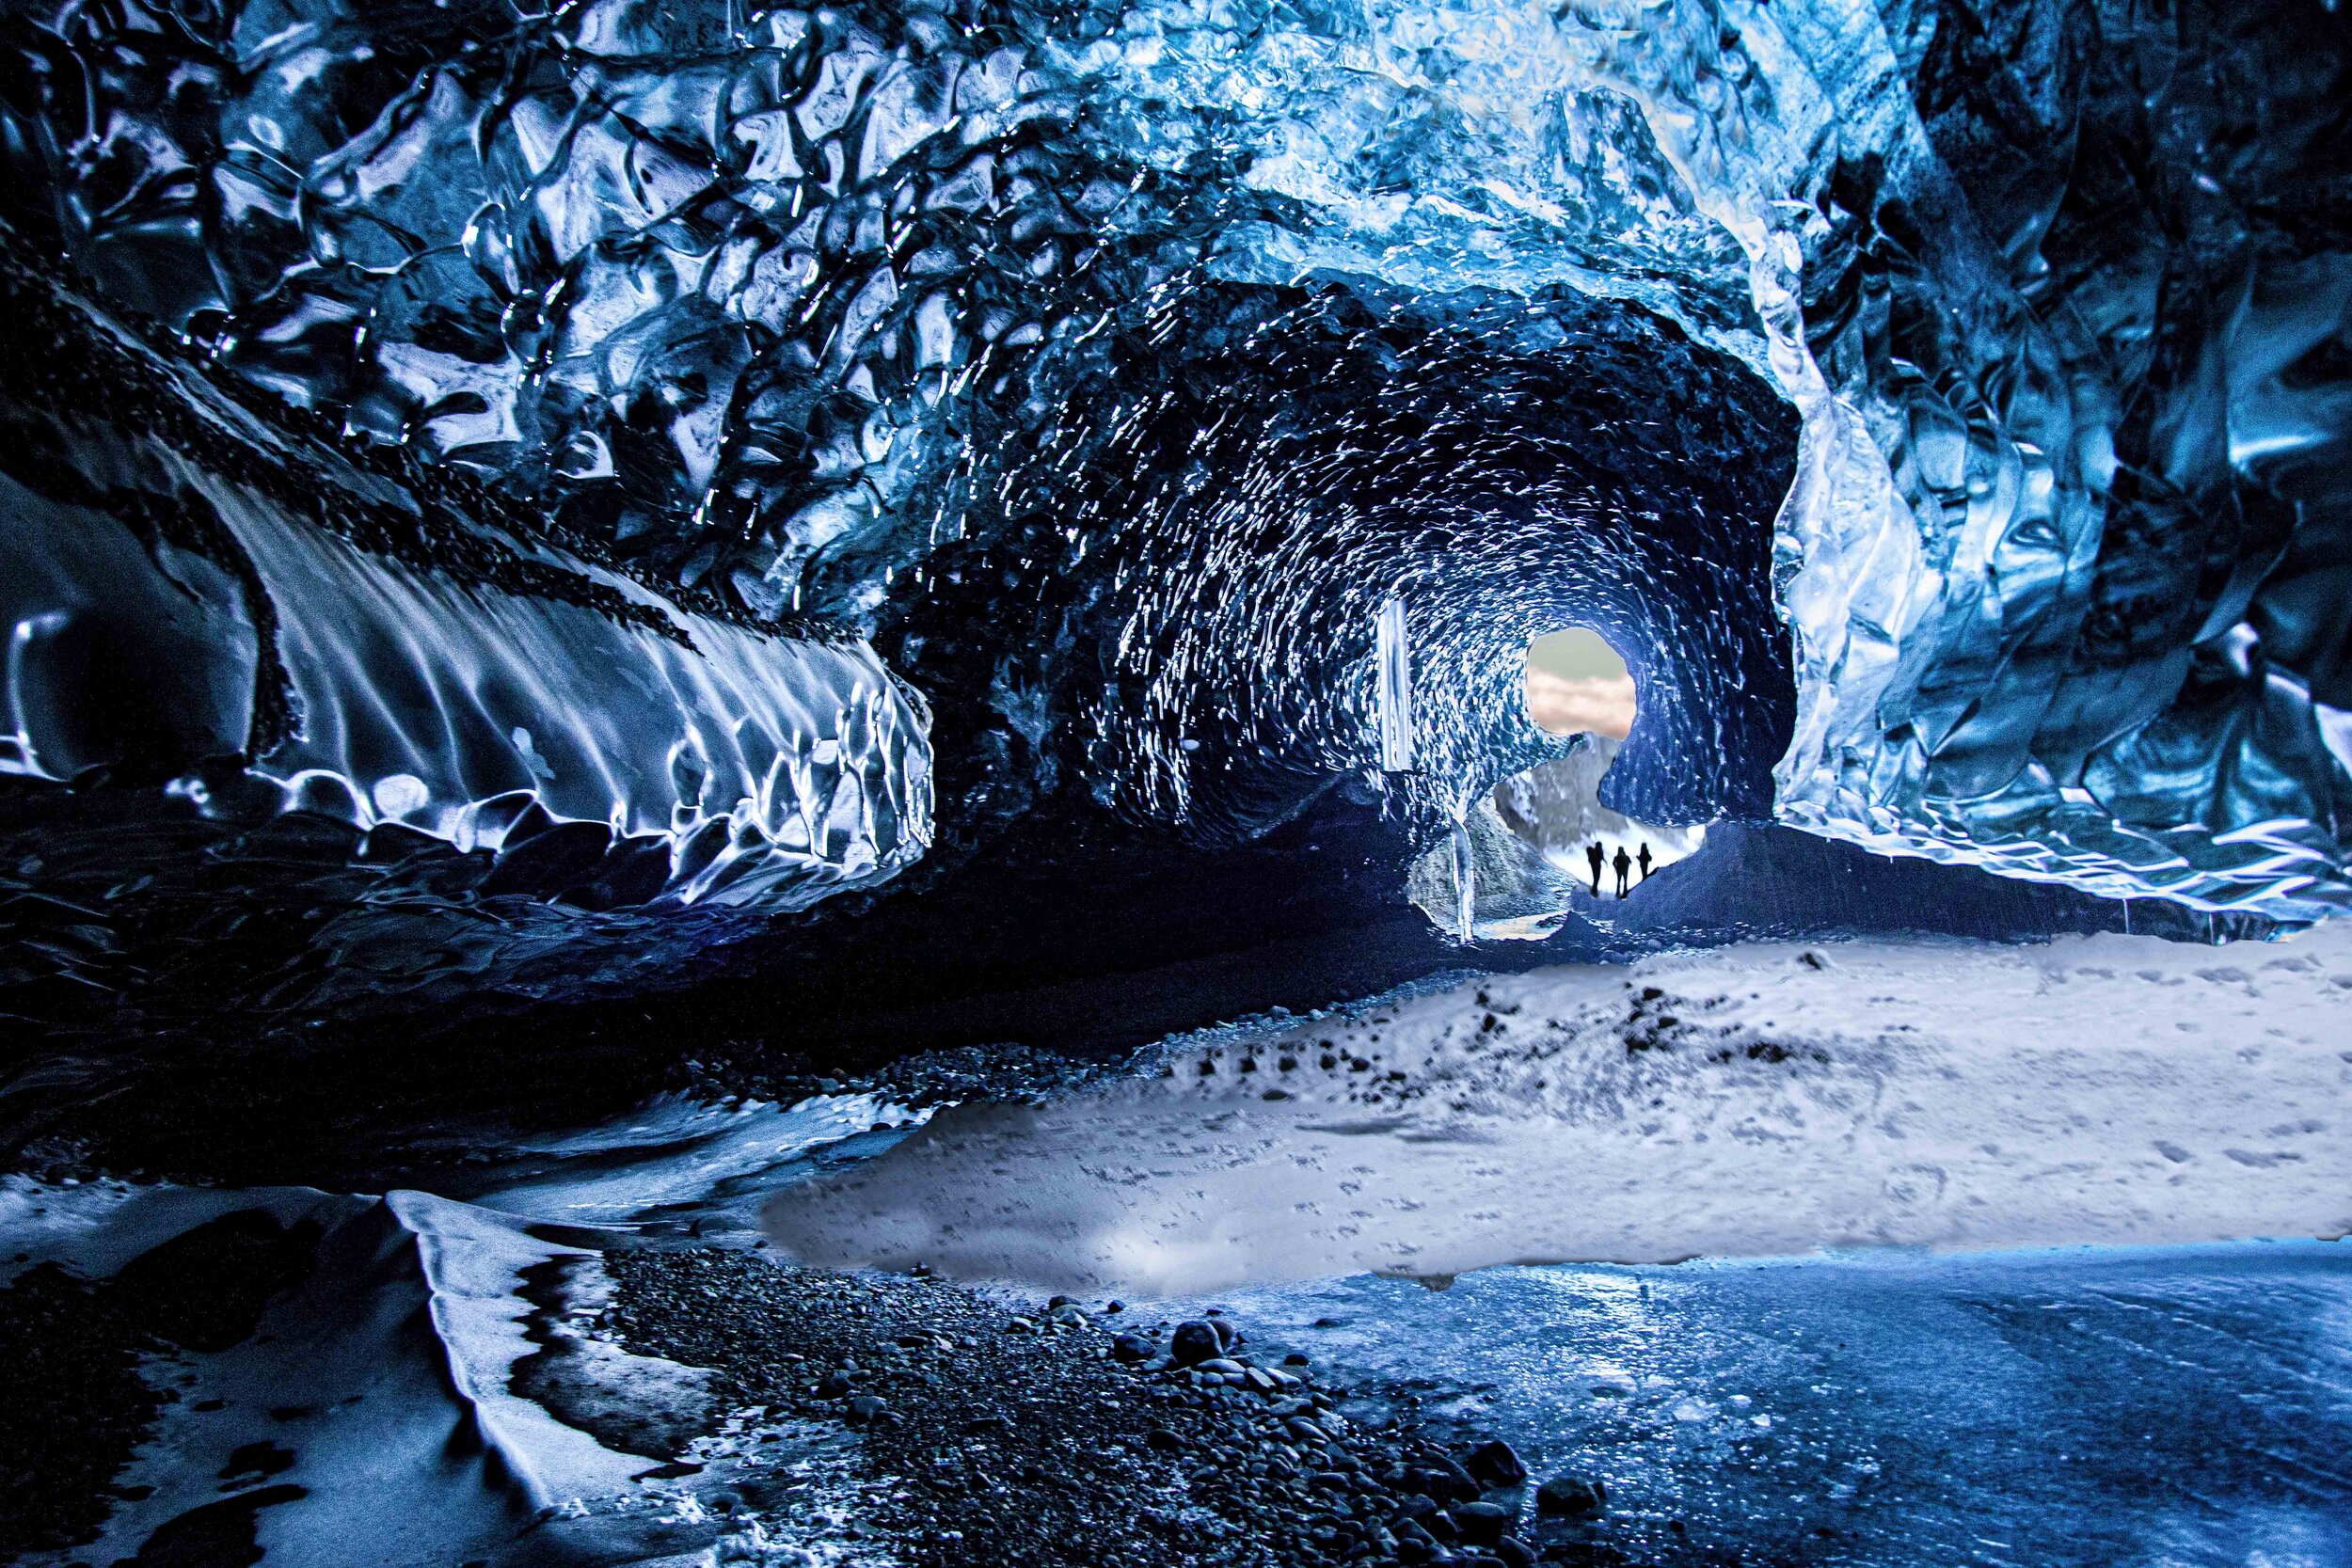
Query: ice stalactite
1394, 650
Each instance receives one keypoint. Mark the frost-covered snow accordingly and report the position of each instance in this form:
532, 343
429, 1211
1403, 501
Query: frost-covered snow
1758, 1101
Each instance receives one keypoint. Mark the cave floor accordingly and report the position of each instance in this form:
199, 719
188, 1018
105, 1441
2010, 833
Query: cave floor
590, 1347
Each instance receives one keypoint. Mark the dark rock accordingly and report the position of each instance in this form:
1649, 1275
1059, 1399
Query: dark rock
833, 1385
205, 1289
1161, 1440
979, 1426
1515, 1552
1131, 1348
1227, 1335
1495, 1464
1570, 1497
1448, 1482
221, 1532
264, 1458
865, 1407
1481, 1523
1193, 1343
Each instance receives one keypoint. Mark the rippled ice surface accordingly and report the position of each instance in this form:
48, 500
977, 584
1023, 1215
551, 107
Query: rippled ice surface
2142, 1406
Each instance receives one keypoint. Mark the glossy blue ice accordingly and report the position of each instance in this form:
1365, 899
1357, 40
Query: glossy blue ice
2157, 1409
784, 304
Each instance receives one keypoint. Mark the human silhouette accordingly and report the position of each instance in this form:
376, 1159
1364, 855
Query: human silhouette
1592, 853
1645, 859
1623, 863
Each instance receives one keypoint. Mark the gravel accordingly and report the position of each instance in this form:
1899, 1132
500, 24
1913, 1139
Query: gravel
1061, 1436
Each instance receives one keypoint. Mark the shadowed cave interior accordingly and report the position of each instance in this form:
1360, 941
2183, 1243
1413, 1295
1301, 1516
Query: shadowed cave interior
702, 696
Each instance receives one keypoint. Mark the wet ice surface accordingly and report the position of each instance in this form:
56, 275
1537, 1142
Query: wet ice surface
1898, 1408
2145, 1406
1759, 1100
438, 1358
682, 1167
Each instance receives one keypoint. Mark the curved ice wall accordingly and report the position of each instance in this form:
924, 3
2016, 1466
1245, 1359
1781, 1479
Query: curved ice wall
790, 308
2062, 294
190, 585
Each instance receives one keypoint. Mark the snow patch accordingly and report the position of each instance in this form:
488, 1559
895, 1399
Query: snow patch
1759, 1100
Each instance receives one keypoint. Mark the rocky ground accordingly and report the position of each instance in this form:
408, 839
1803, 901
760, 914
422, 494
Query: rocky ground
976, 1433
1074, 1434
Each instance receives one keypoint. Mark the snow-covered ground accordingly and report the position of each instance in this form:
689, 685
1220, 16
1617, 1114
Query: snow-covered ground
1761, 1101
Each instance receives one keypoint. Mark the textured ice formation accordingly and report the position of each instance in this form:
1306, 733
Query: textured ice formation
1758, 1101
1519, 864
1117, 363
2060, 300
189, 584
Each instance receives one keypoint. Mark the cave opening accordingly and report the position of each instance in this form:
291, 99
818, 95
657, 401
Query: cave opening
1578, 683
1539, 848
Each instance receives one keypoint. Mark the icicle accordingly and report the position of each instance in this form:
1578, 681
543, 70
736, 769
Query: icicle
1395, 689
1465, 883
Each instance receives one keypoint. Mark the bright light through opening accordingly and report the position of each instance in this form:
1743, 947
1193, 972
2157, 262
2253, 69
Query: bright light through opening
1576, 682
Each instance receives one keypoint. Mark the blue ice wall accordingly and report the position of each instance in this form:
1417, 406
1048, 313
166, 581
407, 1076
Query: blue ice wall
757, 298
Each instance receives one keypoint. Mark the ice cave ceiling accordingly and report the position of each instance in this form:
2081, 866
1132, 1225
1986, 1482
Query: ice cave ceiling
677, 462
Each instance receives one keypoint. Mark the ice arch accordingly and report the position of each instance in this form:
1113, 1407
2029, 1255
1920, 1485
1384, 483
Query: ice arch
841, 310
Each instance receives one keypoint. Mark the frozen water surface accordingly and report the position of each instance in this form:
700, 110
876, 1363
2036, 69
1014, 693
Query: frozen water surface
2096, 1407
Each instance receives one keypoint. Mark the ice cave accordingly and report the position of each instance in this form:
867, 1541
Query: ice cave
1176, 783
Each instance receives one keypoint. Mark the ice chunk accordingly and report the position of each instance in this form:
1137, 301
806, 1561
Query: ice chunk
1395, 654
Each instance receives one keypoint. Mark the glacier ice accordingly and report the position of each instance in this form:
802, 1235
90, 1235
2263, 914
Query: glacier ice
1392, 646
1015, 321
1515, 867
483, 688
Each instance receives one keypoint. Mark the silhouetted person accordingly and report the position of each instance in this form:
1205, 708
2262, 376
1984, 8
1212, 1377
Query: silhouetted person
1592, 853
1623, 863
1645, 858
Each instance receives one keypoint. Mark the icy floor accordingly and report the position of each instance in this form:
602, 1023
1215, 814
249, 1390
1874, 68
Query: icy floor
2091, 1408
1899, 1407
1758, 1101
390, 1375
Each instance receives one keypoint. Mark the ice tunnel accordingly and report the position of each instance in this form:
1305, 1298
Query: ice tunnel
648, 469
698, 696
